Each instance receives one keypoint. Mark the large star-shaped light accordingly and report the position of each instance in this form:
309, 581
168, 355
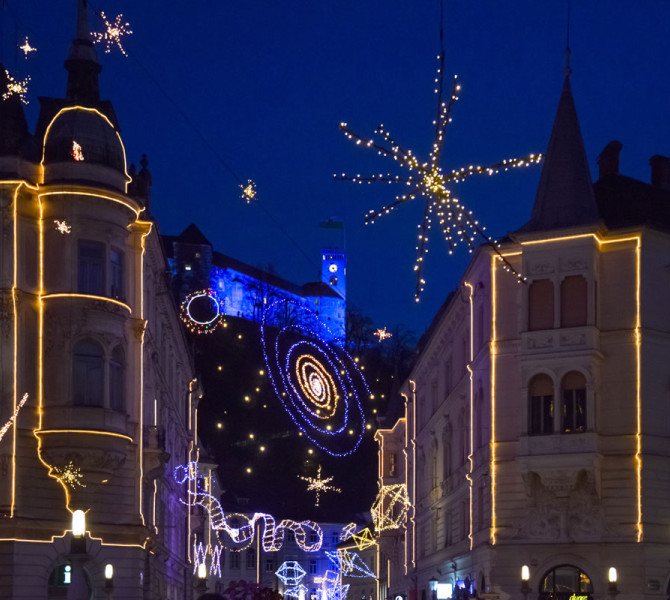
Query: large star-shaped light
427, 180
318, 485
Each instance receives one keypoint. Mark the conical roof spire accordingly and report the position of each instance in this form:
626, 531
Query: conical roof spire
82, 63
565, 192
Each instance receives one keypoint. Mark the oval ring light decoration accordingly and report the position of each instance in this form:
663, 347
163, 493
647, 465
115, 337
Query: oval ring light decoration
200, 324
318, 383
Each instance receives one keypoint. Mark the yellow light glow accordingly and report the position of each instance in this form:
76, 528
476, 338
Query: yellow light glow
89, 297
472, 409
78, 523
492, 444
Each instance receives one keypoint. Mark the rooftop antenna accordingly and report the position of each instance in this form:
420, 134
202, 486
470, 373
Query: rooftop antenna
568, 70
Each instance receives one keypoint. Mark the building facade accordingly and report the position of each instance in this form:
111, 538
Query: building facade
90, 333
533, 433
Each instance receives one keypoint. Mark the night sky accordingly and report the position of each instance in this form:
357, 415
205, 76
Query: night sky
219, 92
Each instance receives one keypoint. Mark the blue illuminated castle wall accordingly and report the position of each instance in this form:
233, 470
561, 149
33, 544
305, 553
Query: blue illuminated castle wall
246, 291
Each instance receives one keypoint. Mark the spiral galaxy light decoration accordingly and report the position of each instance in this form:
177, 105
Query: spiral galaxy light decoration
317, 382
242, 528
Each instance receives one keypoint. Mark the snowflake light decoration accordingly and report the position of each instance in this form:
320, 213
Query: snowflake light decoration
382, 334
347, 531
8, 424
390, 508
14, 87
427, 180
62, 227
113, 34
318, 485
249, 192
77, 154
27, 48
69, 475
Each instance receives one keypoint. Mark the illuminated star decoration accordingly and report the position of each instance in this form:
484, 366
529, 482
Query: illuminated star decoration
318, 485
430, 182
62, 227
382, 334
69, 475
391, 506
14, 87
249, 192
27, 48
77, 154
113, 34
8, 424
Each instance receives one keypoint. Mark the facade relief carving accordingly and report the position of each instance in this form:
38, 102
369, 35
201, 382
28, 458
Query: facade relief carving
540, 341
540, 268
574, 264
562, 506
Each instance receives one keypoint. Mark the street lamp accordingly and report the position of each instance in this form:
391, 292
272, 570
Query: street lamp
433, 587
78, 542
525, 577
202, 578
109, 581
612, 577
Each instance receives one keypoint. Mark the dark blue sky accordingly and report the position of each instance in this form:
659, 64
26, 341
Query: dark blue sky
268, 82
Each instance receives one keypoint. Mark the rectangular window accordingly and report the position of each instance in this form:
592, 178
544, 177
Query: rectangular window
116, 273
312, 567
541, 305
269, 566
251, 558
234, 560
541, 414
91, 268
392, 464
574, 410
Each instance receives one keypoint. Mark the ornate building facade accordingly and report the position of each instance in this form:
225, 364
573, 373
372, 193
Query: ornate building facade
534, 432
90, 333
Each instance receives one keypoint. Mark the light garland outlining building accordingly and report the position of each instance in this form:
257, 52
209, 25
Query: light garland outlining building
534, 445
90, 333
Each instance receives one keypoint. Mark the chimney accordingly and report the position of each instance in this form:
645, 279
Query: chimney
660, 171
608, 161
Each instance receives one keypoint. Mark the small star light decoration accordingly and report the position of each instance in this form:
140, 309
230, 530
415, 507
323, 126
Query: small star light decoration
382, 334
62, 227
20, 88
113, 34
318, 485
8, 424
27, 48
249, 192
427, 180
77, 154
69, 475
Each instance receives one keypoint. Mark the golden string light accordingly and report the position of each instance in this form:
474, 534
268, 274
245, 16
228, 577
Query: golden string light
27, 48
430, 182
249, 192
14, 87
318, 485
113, 34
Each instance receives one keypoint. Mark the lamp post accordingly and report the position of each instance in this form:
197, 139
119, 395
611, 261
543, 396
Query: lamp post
612, 577
433, 588
525, 578
109, 581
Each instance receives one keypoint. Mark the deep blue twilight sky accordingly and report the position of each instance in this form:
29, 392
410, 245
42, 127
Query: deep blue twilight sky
267, 82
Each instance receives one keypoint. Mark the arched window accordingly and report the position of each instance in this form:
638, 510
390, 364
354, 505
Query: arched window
446, 450
573, 408
573, 301
88, 374
541, 405
117, 380
541, 305
562, 582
